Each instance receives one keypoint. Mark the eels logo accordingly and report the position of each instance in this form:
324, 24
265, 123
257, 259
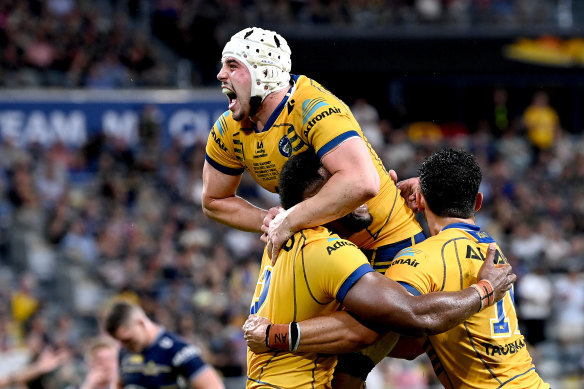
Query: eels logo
285, 147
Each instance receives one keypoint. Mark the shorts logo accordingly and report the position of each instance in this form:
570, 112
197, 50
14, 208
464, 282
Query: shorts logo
285, 146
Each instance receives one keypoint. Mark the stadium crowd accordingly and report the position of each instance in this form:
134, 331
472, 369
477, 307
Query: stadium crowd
117, 43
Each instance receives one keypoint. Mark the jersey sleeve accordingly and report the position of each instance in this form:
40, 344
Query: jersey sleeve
187, 360
335, 266
219, 152
412, 269
326, 123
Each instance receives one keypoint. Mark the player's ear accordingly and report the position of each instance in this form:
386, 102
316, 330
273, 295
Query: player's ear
478, 201
420, 201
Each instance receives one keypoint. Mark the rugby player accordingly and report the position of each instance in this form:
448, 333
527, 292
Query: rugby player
273, 115
317, 271
487, 350
151, 357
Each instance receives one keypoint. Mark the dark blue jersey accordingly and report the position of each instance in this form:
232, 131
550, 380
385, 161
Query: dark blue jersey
169, 362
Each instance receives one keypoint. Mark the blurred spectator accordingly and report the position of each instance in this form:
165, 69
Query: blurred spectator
535, 293
101, 359
47, 361
541, 122
368, 119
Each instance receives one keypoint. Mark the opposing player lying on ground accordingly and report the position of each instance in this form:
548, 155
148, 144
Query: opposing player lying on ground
317, 271
486, 350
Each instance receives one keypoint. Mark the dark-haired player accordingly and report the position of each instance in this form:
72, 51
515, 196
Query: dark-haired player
151, 357
487, 349
317, 271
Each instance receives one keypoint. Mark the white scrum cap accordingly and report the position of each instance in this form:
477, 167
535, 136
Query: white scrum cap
267, 56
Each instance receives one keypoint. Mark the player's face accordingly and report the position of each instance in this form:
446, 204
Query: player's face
132, 336
105, 360
236, 85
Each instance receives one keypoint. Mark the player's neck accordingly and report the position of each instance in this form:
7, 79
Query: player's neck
267, 107
437, 223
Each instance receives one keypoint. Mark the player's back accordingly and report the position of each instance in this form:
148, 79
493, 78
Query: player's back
487, 350
314, 271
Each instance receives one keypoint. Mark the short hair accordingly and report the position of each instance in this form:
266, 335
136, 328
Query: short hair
118, 315
298, 174
97, 344
449, 181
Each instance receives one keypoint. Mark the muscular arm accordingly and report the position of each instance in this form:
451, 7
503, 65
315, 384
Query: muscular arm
221, 203
384, 305
354, 181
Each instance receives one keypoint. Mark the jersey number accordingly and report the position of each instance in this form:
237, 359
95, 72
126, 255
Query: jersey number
501, 324
264, 285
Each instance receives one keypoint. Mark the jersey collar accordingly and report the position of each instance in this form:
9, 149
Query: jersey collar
473, 230
463, 226
279, 108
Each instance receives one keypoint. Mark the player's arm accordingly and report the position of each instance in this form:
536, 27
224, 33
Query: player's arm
48, 361
207, 379
221, 203
407, 348
384, 305
354, 181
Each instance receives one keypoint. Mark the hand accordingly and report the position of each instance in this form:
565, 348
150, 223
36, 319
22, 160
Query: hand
49, 360
501, 277
393, 176
272, 212
409, 188
254, 333
279, 232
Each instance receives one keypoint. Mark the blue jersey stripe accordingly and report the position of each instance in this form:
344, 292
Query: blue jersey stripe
350, 281
223, 169
335, 142
410, 288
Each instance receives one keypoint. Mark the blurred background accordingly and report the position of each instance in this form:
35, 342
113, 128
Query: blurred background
105, 108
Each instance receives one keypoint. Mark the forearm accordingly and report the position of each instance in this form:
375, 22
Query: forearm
342, 194
235, 212
334, 334
421, 315
20, 377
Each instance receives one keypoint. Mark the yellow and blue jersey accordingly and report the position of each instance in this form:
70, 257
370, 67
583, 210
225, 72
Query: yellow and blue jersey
314, 271
309, 116
487, 350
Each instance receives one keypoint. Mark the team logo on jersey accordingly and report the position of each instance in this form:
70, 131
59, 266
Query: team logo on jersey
285, 146
337, 245
165, 342
309, 107
260, 151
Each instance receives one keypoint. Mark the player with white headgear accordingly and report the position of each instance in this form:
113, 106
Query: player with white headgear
274, 114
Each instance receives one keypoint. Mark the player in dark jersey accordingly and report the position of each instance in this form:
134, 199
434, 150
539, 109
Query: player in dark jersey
151, 357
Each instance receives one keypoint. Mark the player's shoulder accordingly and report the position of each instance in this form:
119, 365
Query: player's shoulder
225, 124
323, 240
169, 341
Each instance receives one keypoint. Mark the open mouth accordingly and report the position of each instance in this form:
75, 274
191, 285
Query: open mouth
231, 95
